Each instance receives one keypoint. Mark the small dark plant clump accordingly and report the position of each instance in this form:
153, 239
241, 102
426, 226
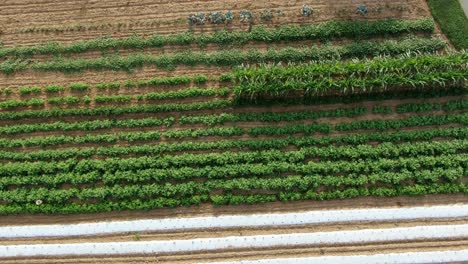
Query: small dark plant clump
246, 16
266, 15
197, 19
362, 9
306, 10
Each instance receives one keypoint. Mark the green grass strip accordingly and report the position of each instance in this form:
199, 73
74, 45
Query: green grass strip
453, 21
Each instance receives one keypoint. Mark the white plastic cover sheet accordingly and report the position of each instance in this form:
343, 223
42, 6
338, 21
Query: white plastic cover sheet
311, 217
391, 258
219, 243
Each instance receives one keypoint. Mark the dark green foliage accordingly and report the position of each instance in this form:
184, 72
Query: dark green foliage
453, 21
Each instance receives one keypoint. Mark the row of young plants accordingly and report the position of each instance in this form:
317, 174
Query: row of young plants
221, 199
440, 156
214, 119
190, 192
116, 111
205, 159
412, 190
425, 120
190, 188
377, 74
231, 57
253, 144
222, 118
229, 131
11, 104
192, 92
169, 121
323, 31
86, 125
425, 92
79, 87
349, 168
99, 99
453, 105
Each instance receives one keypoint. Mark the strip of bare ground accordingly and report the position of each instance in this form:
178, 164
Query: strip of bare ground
210, 210
17, 16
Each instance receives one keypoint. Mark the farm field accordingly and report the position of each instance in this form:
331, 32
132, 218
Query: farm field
131, 110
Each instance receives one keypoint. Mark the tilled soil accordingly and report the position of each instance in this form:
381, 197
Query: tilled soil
47, 20
210, 210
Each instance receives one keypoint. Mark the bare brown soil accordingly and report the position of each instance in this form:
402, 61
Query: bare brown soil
146, 17
210, 210
38, 78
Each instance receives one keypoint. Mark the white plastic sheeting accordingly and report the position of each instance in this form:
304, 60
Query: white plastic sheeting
391, 258
219, 243
311, 217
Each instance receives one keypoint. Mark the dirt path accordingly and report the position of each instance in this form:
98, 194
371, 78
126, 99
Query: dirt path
210, 210
31, 22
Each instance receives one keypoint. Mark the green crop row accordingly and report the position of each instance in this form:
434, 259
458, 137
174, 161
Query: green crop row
230, 57
11, 104
368, 75
166, 161
234, 199
66, 100
424, 107
405, 64
254, 144
205, 119
290, 129
427, 92
377, 166
185, 93
223, 118
86, 125
323, 31
271, 116
427, 120
99, 99
187, 189
161, 202
115, 111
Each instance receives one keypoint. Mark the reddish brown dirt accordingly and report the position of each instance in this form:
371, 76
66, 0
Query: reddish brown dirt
102, 18
207, 209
